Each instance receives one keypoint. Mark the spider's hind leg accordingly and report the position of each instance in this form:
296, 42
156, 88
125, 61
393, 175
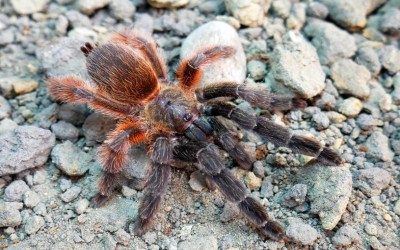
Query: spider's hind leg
211, 164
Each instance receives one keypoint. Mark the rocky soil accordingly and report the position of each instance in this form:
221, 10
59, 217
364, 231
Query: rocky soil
342, 56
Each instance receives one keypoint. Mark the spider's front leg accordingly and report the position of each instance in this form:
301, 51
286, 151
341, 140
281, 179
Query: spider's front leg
114, 156
272, 132
72, 89
211, 164
157, 181
258, 97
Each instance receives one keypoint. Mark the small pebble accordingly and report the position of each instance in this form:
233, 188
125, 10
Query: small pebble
81, 206
34, 224
252, 182
71, 194
387, 217
31, 199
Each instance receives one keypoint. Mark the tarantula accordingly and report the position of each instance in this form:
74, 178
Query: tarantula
178, 120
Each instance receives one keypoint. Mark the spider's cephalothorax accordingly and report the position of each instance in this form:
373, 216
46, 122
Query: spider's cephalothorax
129, 82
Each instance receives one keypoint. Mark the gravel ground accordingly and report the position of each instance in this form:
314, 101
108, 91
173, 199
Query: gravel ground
342, 56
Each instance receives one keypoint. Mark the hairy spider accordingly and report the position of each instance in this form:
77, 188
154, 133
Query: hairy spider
178, 120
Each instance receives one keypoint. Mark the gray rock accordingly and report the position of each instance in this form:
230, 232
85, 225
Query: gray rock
71, 194
31, 199
24, 148
317, 10
73, 113
40, 209
81, 206
109, 242
63, 58
345, 236
62, 25
351, 78
83, 34
34, 224
390, 57
15, 191
378, 100
144, 22
46, 116
9, 215
70, 159
331, 42
77, 19
169, 4
302, 233
199, 243
217, 33
256, 69
378, 147
281, 8
230, 212
122, 237
396, 91
351, 15
138, 164
6, 85
5, 109
122, 9
295, 196
267, 188
95, 128
25, 8
65, 184
258, 169
350, 107
320, 121
7, 125
295, 67
7, 36
366, 122
88, 7
390, 22
371, 181
371, 229
396, 208
329, 192
196, 181
249, 13
368, 57
65, 131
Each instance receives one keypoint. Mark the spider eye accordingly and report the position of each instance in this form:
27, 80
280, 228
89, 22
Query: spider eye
187, 117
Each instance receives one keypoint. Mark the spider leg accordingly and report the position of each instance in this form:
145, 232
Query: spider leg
157, 182
281, 136
189, 71
213, 166
259, 97
246, 120
148, 47
229, 140
74, 89
113, 156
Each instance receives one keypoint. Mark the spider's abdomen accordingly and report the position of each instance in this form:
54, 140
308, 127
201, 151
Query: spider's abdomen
122, 72
173, 109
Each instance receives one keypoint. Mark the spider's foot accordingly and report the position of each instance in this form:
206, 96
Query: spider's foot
99, 200
330, 157
298, 104
274, 231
